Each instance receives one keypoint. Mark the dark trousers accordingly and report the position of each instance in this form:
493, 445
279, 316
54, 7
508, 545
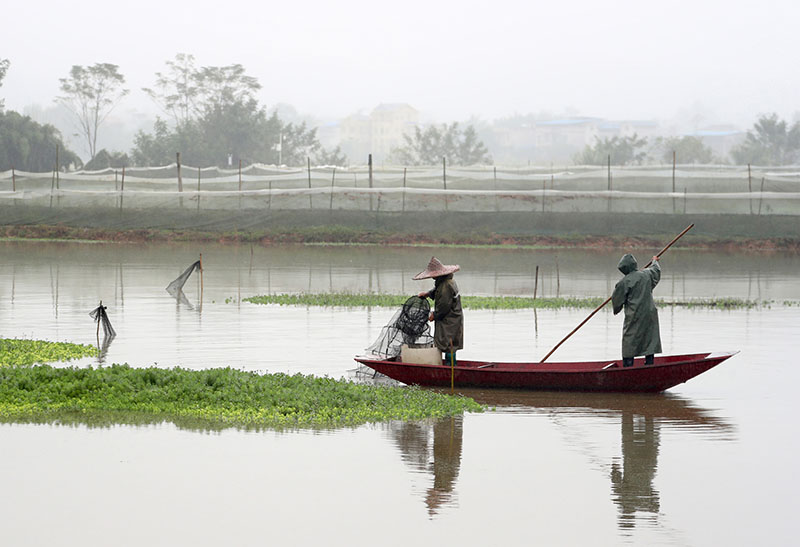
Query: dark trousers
648, 360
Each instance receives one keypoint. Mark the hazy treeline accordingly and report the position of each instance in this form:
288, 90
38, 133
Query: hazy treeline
212, 117
771, 141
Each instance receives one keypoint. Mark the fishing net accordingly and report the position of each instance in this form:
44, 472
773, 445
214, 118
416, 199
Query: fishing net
408, 326
101, 317
176, 287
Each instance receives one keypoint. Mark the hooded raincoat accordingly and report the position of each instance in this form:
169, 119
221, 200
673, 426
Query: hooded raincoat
634, 292
447, 315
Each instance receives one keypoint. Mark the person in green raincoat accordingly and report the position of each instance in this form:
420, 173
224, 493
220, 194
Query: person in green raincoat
448, 335
634, 293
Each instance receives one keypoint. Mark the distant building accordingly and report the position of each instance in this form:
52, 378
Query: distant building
720, 139
378, 133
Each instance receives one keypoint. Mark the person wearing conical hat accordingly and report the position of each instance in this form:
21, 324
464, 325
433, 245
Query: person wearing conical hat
634, 294
448, 335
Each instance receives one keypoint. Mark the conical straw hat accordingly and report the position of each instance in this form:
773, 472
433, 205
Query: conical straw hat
436, 268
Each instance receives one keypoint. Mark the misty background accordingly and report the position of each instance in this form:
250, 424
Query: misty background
538, 81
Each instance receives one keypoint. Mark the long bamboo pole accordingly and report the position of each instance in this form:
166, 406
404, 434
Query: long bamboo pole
607, 300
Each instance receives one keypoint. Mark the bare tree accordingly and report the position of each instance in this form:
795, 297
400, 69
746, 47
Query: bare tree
91, 93
177, 90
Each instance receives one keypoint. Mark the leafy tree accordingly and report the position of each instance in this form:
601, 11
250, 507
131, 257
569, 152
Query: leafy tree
623, 151
216, 115
4, 64
29, 146
331, 157
687, 150
91, 93
105, 159
429, 146
770, 142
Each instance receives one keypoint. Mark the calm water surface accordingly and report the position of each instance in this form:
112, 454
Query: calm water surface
708, 463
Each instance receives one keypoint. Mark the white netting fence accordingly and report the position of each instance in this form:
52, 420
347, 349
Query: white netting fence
686, 190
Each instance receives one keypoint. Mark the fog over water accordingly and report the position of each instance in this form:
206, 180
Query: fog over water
450, 60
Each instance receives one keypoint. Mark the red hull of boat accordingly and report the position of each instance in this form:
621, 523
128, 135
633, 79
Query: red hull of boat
666, 372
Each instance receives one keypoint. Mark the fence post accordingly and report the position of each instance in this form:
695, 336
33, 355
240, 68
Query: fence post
444, 181
240, 175
333, 181
761, 195
609, 183
369, 162
308, 167
122, 190
58, 187
404, 188
178, 163
544, 185
674, 156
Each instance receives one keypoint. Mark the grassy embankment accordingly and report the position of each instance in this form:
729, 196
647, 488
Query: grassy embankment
334, 235
207, 399
480, 302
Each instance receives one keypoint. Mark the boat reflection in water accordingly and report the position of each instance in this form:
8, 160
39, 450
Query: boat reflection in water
435, 448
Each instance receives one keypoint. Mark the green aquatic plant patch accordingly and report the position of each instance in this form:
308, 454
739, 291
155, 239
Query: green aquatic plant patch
28, 352
221, 397
476, 302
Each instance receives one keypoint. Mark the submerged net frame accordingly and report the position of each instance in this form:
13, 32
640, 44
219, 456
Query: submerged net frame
101, 318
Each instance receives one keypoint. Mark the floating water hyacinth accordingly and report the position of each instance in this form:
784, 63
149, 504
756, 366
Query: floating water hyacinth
221, 397
481, 302
15, 352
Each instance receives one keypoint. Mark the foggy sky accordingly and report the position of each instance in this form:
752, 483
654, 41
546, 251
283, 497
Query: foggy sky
450, 60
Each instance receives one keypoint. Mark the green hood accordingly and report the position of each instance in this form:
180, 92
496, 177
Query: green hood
627, 264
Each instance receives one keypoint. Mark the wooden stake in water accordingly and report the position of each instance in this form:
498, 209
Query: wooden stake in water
452, 368
201, 280
535, 284
13, 179
761, 196
607, 300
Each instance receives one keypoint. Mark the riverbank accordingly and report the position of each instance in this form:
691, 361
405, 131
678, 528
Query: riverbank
218, 398
342, 235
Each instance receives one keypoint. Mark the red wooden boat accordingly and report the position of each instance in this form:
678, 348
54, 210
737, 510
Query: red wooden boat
610, 375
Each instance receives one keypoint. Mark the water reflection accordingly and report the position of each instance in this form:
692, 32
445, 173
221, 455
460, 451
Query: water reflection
102, 349
433, 448
632, 483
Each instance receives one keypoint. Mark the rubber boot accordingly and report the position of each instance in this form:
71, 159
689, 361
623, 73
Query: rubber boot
649, 359
627, 361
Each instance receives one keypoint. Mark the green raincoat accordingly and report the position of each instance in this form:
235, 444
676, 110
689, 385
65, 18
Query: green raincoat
634, 292
449, 321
